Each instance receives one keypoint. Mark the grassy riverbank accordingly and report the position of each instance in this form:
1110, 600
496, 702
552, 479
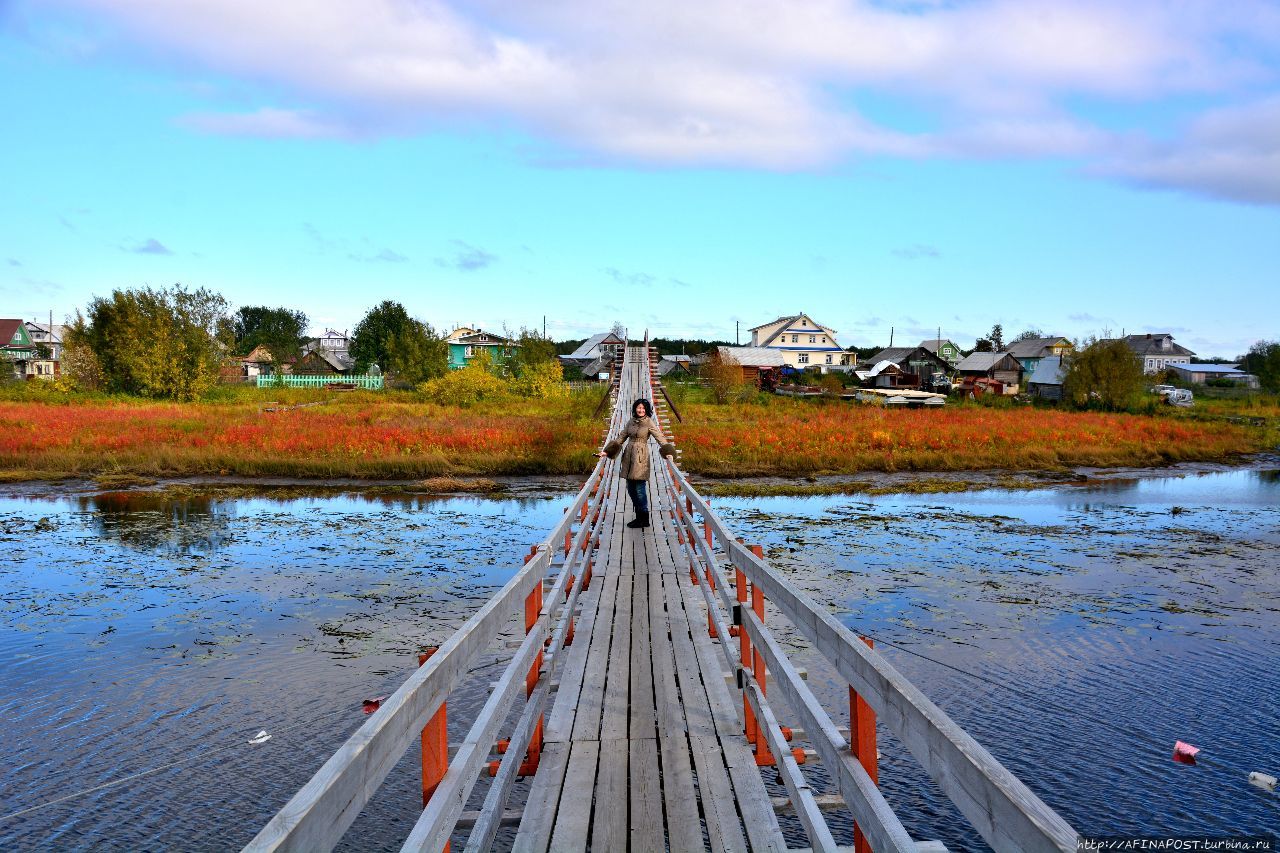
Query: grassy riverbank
318, 435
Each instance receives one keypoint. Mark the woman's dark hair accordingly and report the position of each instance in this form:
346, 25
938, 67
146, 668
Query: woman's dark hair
648, 407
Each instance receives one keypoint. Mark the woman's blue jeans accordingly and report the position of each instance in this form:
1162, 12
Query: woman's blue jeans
638, 491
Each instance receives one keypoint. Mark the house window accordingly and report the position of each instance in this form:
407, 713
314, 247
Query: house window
828, 358
804, 358
795, 339
824, 339
470, 351
813, 339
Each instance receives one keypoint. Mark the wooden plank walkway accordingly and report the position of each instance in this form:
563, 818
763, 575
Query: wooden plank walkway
645, 668
643, 703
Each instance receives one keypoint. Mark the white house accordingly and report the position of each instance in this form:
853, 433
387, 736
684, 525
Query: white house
801, 340
51, 336
1158, 351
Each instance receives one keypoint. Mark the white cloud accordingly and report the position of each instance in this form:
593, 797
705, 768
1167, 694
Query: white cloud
266, 122
759, 83
1231, 153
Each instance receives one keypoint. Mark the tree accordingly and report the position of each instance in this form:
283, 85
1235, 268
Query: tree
416, 353
983, 345
532, 351
1105, 372
996, 335
369, 340
1263, 361
725, 376
619, 330
280, 330
1029, 334
157, 343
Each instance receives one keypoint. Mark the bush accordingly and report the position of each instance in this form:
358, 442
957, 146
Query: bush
540, 381
466, 387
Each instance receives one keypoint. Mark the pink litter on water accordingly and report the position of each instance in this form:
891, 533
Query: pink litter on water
1185, 753
371, 705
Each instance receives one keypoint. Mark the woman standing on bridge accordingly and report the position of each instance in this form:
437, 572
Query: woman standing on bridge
634, 467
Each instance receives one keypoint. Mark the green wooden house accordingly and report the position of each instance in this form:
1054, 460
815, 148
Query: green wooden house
944, 349
466, 343
16, 347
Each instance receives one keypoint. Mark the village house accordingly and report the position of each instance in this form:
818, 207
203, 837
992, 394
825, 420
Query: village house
319, 361
1029, 351
802, 341
919, 367
944, 349
50, 335
1201, 374
1158, 351
999, 366
16, 348
595, 355
260, 362
1047, 380
761, 366
673, 365
465, 343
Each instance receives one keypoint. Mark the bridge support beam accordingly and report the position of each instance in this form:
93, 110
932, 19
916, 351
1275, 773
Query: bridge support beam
435, 745
862, 742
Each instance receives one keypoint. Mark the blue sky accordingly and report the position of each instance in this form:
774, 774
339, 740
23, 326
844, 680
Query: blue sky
1074, 167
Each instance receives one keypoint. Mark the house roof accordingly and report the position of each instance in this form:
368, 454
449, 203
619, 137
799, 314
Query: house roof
8, 328
753, 356
481, 337
1221, 369
43, 329
894, 354
683, 358
590, 348
1048, 371
666, 365
935, 344
1150, 344
338, 360
880, 367
785, 327
984, 361
1033, 347
784, 319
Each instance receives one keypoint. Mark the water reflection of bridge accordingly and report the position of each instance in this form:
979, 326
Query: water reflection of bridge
642, 706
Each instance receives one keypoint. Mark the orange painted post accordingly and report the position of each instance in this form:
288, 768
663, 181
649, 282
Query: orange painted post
862, 743
586, 576
435, 745
744, 646
532, 607
757, 605
568, 540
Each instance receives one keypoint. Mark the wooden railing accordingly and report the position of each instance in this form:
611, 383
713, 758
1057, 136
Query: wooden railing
997, 804
318, 816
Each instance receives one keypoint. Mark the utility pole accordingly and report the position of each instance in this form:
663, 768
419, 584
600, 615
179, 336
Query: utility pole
735, 333
891, 336
544, 325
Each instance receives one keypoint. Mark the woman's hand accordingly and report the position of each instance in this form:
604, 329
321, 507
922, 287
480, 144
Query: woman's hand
600, 453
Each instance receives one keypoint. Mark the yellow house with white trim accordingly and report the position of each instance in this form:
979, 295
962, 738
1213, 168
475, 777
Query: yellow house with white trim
802, 341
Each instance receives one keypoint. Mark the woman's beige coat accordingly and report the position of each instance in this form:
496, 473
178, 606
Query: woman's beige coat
635, 458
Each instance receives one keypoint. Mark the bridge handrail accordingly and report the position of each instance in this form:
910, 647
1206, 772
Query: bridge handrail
320, 813
999, 806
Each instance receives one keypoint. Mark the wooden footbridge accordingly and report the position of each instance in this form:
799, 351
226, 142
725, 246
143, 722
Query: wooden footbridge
649, 701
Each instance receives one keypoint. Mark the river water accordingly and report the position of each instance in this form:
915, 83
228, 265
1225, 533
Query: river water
1075, 631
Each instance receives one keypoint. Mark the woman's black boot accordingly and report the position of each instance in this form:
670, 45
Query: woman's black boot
641, 519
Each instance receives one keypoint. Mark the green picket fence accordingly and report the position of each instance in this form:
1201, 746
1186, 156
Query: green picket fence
306, 380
